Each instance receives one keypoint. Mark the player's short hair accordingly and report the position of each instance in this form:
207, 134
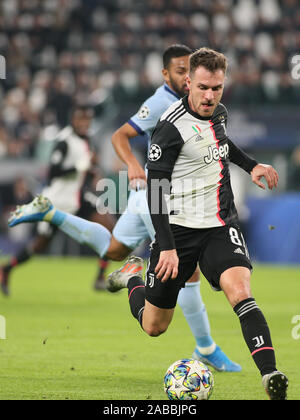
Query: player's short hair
175, 50
210, 59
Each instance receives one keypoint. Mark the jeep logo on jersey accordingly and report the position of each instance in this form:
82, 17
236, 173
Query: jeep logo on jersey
154, 152
215, 153
143, 113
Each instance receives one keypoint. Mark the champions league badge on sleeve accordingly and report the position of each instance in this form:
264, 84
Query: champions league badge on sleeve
154, 152
144, 112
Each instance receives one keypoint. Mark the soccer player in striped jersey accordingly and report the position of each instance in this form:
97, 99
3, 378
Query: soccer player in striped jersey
188, 161
134, 227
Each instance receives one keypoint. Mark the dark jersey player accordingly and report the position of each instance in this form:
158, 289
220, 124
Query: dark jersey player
70, 186
198, 223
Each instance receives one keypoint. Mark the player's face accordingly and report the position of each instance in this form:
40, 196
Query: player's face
81, 121
176, 73
205, 90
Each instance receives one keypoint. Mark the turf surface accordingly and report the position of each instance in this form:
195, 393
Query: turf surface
65, 341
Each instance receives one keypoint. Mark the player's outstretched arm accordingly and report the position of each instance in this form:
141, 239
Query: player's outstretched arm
264, 171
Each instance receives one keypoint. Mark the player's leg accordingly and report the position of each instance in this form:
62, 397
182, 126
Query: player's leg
153, 303
96, 235
193, 308
127, 234
38, 244
235, 282
83, 231
107, 220
230, 271
154, 319
189, 298
130, 230
194, 311
165, 295
117, 251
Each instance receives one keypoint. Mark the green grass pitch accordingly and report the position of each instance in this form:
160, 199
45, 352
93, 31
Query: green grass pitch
65, 341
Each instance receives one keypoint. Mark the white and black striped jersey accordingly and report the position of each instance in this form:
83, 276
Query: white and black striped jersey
195, 152
70, 159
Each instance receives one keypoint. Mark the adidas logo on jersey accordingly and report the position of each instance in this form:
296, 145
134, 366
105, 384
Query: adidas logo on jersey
238, 251
199, 138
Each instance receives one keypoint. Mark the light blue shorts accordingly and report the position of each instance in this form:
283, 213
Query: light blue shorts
135, 225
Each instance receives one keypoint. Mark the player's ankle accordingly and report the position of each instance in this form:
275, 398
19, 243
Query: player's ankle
207, 349
54, 216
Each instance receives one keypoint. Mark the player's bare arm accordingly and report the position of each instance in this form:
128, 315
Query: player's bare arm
264, 171
121, 143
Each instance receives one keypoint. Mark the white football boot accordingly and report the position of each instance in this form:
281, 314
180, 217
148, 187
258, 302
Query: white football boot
32, 212
118, 279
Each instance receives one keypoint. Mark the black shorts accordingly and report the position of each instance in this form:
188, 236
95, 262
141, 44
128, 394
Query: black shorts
214, 249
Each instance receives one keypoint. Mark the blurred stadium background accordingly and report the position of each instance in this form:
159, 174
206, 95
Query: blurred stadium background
109, 52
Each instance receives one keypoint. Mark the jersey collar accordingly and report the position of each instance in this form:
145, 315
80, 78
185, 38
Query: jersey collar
168, 89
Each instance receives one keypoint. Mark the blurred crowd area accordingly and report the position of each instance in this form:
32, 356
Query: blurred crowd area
59, 51
109, 53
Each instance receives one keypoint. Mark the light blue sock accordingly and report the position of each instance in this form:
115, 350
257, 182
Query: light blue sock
87, 233
194, 311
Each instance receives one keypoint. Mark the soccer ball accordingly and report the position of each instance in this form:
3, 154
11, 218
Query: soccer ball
188, 379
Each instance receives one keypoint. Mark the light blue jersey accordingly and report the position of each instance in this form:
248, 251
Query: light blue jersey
135, 224
145, 120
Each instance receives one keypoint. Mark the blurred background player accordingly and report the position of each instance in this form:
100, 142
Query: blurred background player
71, 178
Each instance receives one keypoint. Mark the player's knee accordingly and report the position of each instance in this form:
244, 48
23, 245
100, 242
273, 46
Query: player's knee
240, 294
155, 330
235, 282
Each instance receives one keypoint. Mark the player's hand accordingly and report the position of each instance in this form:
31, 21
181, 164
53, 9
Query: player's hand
167, 265
264, 171
137, 177
138, 184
